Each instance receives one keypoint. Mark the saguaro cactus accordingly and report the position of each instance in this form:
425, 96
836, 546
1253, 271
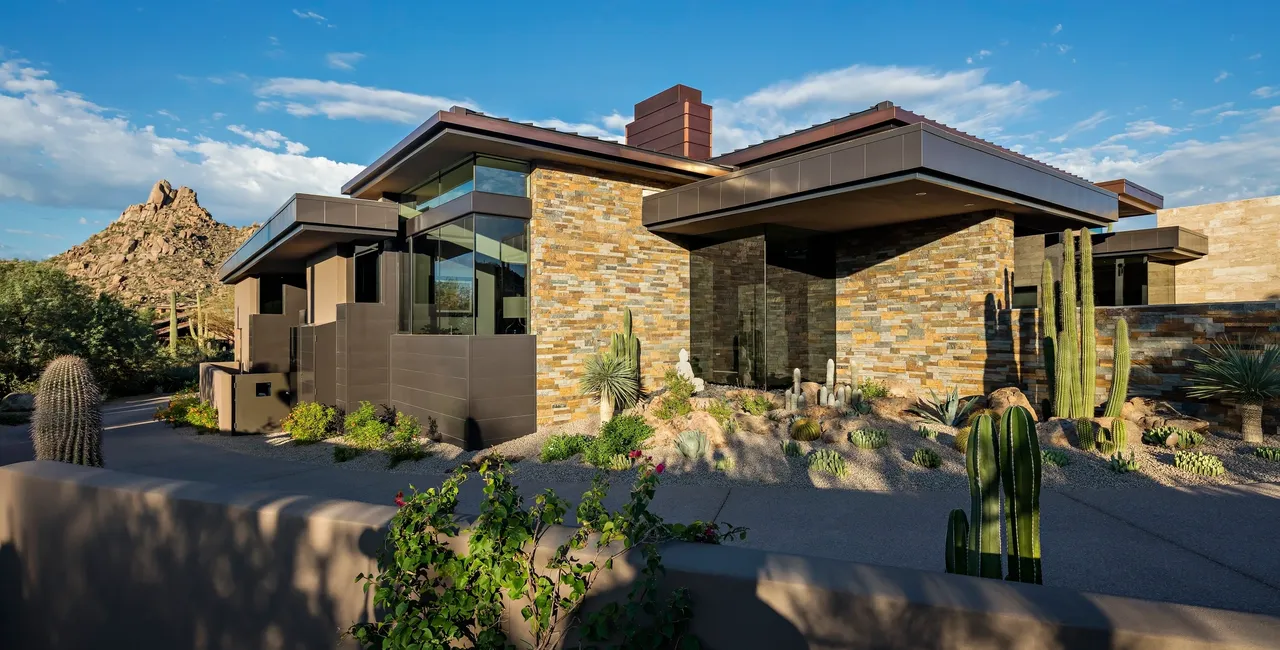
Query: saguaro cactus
1120, 371
1068, 346
1048, 326
173, 322
67, 425
1088, 331
1020, 476
984, 495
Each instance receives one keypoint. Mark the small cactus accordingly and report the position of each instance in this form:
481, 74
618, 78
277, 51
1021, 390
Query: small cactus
791, 448
618, 463
67, 423
1121, 465
1268, 453
795, 381
927, 458
724, 464
805, 430
1119, 435
1198, 462
1088, 437
828, 461
868, 438
927, 433
692, 444
1055, 457
831, 373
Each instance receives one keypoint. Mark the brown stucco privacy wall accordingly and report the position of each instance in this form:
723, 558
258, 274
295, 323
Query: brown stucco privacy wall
1243, 262
103, 559
591, 257
362, 342
1163, 342
917, 302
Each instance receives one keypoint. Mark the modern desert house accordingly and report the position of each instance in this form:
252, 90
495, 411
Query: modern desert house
472, 268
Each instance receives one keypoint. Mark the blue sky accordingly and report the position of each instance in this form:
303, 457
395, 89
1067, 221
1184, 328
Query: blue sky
250, 102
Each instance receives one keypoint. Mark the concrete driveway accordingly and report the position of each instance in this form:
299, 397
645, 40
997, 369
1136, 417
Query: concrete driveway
1213, 547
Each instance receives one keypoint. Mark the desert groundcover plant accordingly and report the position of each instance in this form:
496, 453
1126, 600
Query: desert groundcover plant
947, 410
1248, 374
434, 590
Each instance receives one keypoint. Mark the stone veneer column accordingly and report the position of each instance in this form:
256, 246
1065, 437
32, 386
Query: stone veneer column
591, 257
916, 302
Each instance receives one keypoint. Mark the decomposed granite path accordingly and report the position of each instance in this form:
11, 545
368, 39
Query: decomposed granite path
1209, 546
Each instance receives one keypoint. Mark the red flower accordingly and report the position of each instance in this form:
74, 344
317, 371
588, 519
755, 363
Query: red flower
635, 453
660, 467
400, 499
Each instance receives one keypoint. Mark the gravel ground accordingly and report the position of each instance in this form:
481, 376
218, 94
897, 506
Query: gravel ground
758, 459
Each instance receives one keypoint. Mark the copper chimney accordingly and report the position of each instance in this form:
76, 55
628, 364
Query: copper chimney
674, 121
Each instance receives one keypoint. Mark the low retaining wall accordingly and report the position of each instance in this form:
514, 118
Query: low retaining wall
104, 559
1163, 342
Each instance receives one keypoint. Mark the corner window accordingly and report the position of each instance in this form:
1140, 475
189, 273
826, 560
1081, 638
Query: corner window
475, 173
500, 176
366, 276
468, 276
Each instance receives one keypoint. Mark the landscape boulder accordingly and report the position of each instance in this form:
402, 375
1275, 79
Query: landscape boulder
755, 424
1002, 398
1151, 414
902, 389
892, 408
1058, 432
665, 433
810, 390
18, 402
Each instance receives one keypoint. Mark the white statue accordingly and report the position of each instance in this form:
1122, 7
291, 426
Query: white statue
685, 369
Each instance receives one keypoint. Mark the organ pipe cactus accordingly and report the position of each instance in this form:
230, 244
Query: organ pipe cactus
795, 381
67, 424
1088, 436
1120, 371
1088, 332
831, 374
1049, 328
1020, 468
1068, 345
957, 554
1119, 435
983, 465
173, 322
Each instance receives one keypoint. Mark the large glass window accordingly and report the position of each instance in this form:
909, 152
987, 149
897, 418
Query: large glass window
271, 294
469, 276
475, 173
367, 281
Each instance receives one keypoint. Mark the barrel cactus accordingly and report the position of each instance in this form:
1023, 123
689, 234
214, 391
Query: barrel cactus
828, 461
1268, 453
1198, 462
692, 444
67, 425
806, 430
868, 438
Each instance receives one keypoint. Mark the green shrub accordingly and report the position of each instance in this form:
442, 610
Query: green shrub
343, 453
828, 461
620, 435
868, 438
364, 429
791, 448
1055, 457
677, 386
872, 389
806, 430
1268, 453
185, 409
203, 417
1197, 462
757, 404
404, 444
432, 589
310, 422
721, 411
562, 446
675, 401
926, 458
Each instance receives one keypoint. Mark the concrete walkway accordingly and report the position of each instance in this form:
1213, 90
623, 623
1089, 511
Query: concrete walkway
1214, 547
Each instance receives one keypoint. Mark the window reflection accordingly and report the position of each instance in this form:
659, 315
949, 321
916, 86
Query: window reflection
476, 173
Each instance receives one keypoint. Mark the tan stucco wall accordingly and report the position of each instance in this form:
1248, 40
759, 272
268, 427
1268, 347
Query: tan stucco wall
246, 305
591, 257
1244, 250
329, 283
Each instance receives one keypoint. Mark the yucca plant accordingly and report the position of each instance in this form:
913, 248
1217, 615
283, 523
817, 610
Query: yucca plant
1246, 374
948, 411
611, 380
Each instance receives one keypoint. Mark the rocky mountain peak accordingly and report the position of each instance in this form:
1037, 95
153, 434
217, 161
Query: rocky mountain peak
167, 243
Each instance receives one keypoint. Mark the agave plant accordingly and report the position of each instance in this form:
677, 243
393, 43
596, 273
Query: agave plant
947, 411
1246, 374
610, 379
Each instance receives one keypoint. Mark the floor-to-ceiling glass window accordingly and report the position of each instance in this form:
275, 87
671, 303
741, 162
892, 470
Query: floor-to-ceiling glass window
469, 276
761, 305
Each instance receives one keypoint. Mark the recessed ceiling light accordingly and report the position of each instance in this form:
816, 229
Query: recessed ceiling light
921, 193
969, 205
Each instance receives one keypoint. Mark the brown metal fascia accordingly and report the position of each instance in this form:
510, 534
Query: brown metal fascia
811, 136
516, 131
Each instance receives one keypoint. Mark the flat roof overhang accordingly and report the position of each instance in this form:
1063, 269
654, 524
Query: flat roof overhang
1135, 200
909, 173
451, 135
1168, 243
306, 225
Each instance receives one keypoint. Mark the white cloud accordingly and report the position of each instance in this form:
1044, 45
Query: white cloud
1266, 92
312, 16
336, 101
1142, 130
1175, 104
296, 148
218, 116
961, 99
1222, 76
60, 149
1255, 56
1087, 124
83, 221
167, 114
1213, 109
1056, 28
982, 54
343, 60
267, 138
